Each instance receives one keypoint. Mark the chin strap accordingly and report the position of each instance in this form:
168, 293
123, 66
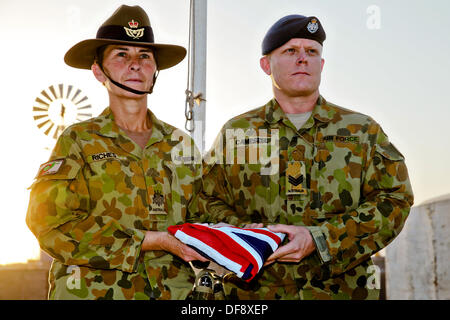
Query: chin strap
155, 76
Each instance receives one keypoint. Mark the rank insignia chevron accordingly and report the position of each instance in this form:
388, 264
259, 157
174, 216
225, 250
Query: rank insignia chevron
295, 177
295, 181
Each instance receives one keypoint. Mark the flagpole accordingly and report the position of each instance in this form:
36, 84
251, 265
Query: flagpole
197, 72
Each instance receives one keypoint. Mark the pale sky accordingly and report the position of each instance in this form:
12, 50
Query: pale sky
387, 59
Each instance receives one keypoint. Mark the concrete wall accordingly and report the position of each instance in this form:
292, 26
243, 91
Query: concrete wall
418, 261
27, 281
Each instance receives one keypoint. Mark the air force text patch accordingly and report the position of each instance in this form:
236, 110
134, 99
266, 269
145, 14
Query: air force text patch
342, 139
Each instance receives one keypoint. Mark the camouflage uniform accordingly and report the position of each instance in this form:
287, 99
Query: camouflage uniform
91, 213
355, 197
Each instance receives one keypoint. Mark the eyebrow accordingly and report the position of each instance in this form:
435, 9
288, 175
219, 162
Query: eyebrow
305, 46
126, 49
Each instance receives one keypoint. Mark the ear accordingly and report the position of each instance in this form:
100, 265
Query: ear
264, 62
323, 62
98, 72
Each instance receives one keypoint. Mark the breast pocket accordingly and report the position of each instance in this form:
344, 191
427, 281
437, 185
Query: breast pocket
112, 177
256, 192
336, 177
117, 188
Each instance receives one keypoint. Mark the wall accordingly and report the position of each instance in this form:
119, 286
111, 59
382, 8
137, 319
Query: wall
418, 260
27, 281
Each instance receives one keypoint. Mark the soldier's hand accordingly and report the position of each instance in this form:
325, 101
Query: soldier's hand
300, 244
253, 225
155, 240
248, 226
221, 224
178, 248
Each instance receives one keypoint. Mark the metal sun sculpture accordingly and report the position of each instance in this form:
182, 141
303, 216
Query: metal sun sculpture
59, 106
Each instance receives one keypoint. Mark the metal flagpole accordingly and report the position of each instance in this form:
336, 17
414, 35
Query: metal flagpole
196, 90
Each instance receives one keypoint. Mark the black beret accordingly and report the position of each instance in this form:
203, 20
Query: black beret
292, 26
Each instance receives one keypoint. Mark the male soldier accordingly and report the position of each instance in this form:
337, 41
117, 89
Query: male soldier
334, 183
102, 204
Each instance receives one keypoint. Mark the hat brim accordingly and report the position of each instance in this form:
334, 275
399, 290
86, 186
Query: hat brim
82, 55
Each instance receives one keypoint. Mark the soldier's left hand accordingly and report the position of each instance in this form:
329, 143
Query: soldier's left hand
300, 244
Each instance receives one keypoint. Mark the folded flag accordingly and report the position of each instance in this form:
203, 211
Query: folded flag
240, 250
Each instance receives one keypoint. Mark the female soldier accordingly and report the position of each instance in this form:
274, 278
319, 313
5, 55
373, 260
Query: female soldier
102, 204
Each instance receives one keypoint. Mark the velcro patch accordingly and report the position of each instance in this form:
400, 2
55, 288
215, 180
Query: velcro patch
295, 178
157, 205
50, 167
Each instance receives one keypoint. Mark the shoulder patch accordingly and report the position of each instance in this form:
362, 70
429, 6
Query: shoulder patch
51, 167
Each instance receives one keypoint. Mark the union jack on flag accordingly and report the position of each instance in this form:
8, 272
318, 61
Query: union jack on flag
242, 251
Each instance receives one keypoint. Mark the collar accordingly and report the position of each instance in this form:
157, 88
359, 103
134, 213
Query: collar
322, 112
107, 127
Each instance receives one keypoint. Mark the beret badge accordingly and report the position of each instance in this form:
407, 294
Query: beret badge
313, 26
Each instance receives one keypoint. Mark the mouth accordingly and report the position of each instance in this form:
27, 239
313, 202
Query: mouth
301, 73
134, 80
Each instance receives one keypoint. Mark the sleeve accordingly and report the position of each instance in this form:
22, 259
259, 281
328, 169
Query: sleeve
352, 237
59, 216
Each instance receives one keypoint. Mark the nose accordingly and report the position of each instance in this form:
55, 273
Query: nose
301, 58
300, 61
134, 64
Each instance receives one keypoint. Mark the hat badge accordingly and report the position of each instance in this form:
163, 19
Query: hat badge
313, 26
133, 31
133, 24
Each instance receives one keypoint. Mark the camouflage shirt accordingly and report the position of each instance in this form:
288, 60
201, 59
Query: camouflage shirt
339, 176
92, 203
